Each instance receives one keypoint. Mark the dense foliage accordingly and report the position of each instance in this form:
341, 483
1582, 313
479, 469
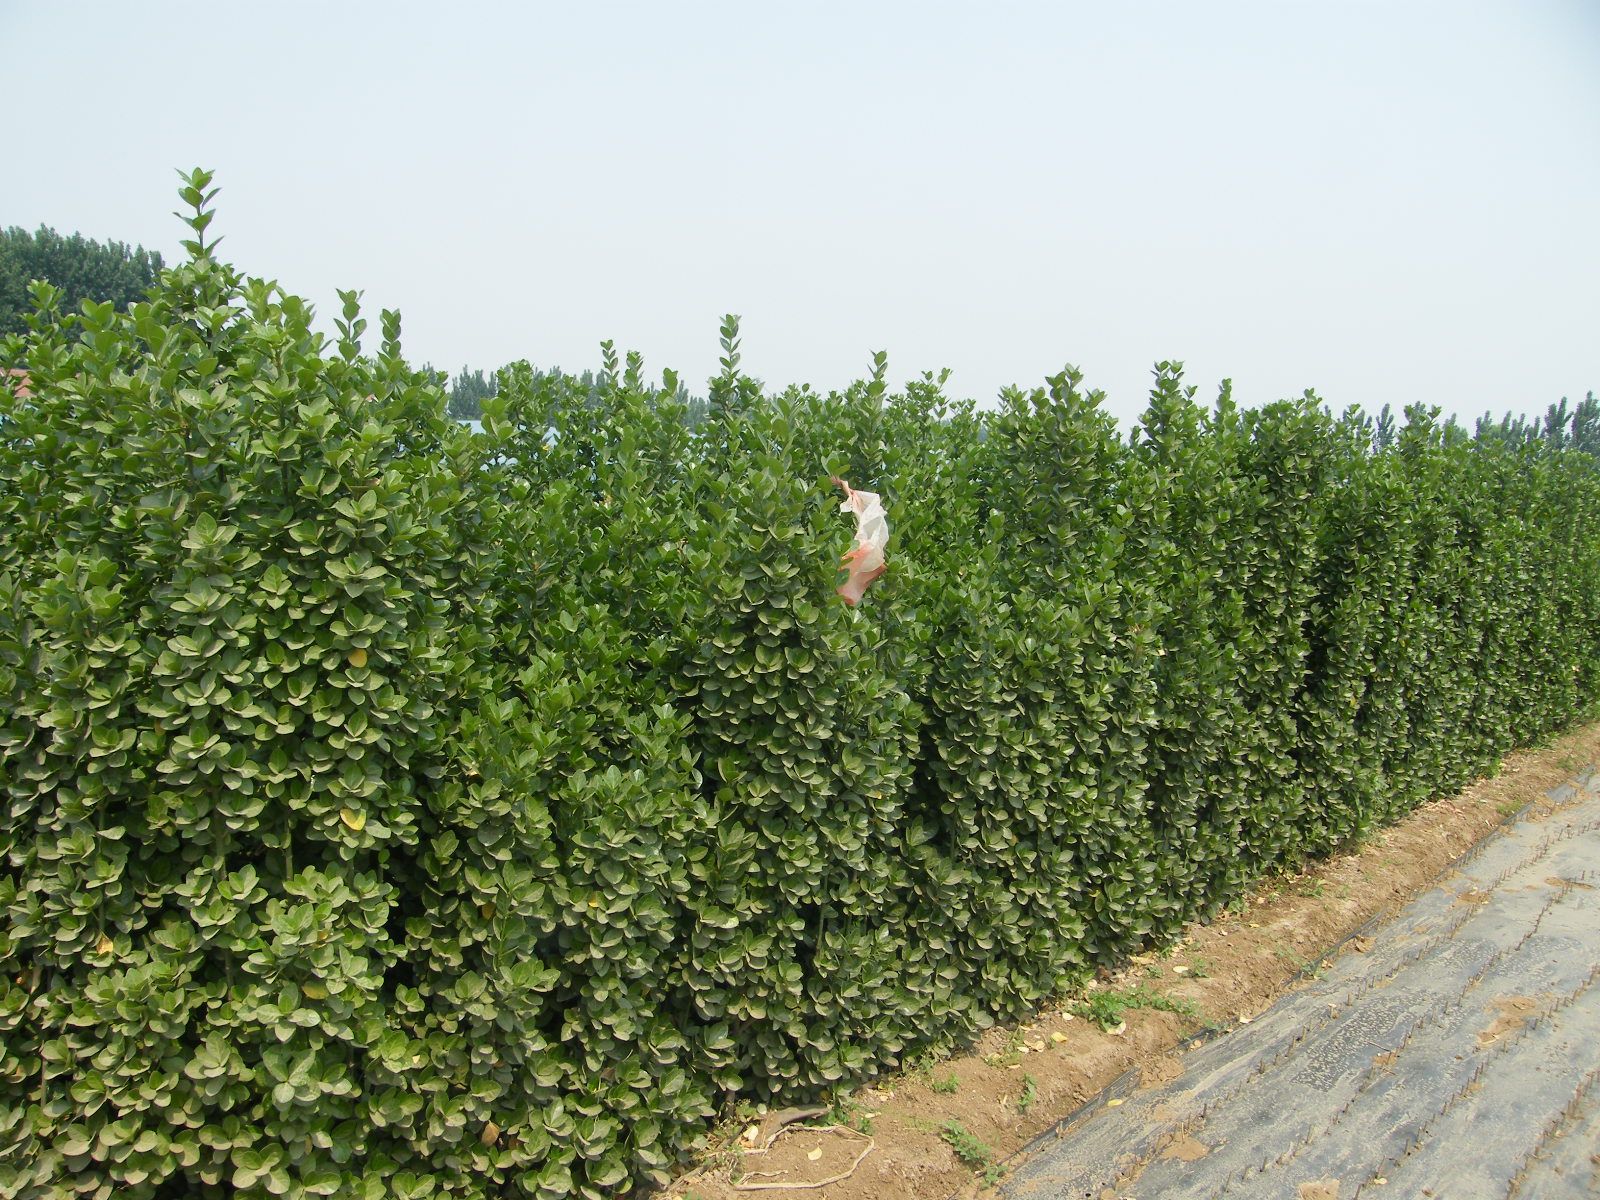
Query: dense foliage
81, 267
394, 810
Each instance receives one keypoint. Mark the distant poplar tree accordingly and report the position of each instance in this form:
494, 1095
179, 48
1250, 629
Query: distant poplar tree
468, 391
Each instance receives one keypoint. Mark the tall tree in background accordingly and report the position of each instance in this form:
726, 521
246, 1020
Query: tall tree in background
1564, 425
468, 391
81, 267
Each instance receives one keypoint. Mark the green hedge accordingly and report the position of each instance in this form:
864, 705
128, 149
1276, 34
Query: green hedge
393, 810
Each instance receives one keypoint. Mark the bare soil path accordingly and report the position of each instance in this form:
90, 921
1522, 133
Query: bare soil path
956, 1128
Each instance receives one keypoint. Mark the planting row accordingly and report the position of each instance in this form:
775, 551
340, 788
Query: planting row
393, 810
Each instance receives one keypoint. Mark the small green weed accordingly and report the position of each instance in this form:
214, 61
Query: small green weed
1310, 967
947, 1086
972, 1151
1011, 1053
1030, 1093
921, 1068
851, 1113
1105, 1008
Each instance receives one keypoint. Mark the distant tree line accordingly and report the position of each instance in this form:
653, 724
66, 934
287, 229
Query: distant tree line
86, 269
471, 387
81, 267
1563, 426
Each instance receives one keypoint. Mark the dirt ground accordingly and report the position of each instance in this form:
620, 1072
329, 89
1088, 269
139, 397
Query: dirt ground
1021, 1080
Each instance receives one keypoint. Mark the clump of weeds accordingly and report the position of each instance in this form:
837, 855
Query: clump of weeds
851, 1113
1030, 1093
1106, 1008
972, 1151
1011, 1053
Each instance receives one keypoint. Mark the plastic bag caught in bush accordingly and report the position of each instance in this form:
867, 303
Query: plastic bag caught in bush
864, 560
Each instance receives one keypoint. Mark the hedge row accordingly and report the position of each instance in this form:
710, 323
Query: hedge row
397, 811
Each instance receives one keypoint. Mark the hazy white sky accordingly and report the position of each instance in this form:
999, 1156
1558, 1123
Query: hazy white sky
1387, 202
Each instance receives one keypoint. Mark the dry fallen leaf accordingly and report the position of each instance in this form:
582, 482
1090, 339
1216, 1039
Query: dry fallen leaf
815, 1154
1058, 1037
1180, 969
1112, 1103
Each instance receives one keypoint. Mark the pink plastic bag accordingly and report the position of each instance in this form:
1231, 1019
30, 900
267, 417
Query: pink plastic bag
864, 560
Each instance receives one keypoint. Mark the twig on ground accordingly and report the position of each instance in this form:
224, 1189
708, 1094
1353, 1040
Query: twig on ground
739, 1185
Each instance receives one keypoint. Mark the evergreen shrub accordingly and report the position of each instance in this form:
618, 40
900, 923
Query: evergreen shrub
392, 810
